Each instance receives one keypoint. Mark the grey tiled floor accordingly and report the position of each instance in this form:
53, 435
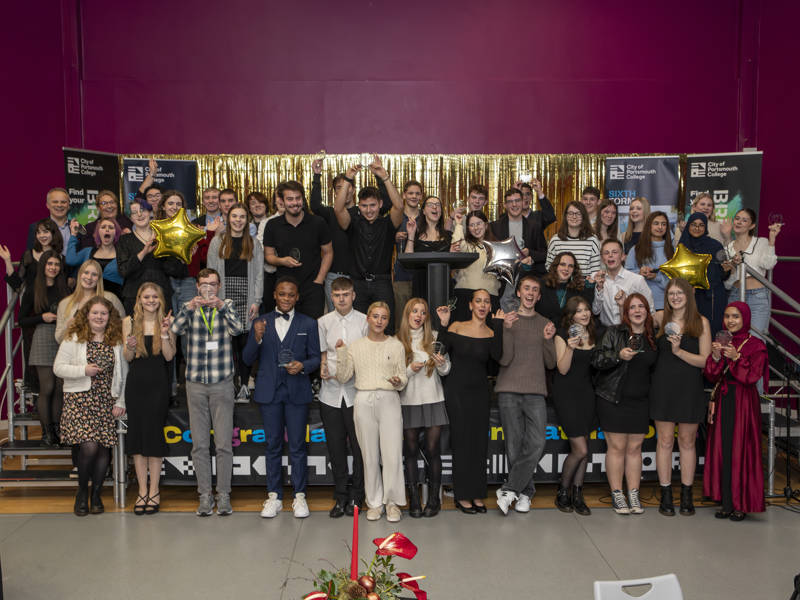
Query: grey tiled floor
545, 554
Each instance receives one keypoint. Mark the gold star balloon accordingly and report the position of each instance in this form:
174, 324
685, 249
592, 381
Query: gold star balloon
688, 265
176, 237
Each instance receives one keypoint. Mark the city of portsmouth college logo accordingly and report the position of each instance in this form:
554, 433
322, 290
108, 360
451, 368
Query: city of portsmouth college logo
697, 169
616, 171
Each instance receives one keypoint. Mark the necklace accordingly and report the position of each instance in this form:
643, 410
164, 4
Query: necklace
144, 240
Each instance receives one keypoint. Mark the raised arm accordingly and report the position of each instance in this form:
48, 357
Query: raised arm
396, 213
340, 200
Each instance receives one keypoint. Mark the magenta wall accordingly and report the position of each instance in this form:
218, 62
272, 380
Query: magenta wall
510, 76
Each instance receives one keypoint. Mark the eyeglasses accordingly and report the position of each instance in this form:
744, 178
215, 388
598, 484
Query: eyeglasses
107, 203
573, 213
697, 225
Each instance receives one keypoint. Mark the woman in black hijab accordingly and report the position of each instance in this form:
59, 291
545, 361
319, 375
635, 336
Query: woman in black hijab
711, 302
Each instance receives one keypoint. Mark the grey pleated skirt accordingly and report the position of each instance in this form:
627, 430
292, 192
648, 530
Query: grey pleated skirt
44, 346
424, 415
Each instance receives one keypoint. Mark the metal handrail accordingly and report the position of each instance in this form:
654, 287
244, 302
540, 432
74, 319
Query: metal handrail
789, 259
745, 270
6, 324
784, 330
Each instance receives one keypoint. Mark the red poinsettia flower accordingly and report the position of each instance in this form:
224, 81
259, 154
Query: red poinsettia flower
395, 544
316, 596
410, 583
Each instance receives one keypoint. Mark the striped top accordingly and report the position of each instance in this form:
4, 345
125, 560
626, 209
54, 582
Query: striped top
587, 252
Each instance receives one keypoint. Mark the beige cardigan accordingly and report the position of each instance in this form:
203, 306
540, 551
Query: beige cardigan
70, 365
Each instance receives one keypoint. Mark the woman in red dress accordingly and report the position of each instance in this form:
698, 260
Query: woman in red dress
733, 472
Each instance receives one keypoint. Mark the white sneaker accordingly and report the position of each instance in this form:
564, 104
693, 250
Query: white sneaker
243, 397
373, 514
393, 513
272, 506
504, 499
299, 506
523, 504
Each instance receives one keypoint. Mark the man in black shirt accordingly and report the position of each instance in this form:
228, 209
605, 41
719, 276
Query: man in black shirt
371, 238
299, 245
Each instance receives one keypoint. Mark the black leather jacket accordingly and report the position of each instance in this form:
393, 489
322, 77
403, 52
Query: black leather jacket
611, 368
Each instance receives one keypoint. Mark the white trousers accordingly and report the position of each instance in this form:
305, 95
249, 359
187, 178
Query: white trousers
379, 429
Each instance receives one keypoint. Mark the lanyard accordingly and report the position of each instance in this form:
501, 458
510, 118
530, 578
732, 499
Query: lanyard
213, 316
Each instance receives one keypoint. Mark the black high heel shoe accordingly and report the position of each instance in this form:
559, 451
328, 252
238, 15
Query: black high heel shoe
151, 507
467, 510
139, 509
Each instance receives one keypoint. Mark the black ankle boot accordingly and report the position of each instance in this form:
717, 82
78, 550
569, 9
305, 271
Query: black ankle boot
563, 500
434, 504
577, 501
97, 501
54, 438
81, 503
666, 508
47, 438
687, 506
414, 504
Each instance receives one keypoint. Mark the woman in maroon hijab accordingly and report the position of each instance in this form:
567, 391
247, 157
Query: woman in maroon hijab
733, 472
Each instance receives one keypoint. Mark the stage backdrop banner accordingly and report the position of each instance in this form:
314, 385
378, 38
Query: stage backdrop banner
172, 174
656, 178
86, 173
249, 445
732, 179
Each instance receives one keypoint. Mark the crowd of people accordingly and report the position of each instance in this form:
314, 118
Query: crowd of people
284, 290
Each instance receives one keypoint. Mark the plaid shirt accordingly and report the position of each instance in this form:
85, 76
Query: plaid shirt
208, 366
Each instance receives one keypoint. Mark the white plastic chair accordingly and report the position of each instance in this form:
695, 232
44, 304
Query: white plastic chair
663, 587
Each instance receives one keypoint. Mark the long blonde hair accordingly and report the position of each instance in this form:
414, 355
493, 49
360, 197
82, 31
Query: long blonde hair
645, 213
137, 320
404, 334
78, 295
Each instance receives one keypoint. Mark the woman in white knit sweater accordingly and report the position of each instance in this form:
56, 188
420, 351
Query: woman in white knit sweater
422, 403
378, 362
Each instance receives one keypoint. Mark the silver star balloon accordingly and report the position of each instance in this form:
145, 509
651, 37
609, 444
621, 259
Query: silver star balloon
502, 258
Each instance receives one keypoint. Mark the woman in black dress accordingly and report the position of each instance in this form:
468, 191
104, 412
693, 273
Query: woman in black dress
574, 399
149, 346
564, 280
472, 345
676, 394
625, 358
39, 310
426, 234
91, 364
135, 259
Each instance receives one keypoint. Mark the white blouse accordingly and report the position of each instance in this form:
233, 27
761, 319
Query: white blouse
420, 388
758, 255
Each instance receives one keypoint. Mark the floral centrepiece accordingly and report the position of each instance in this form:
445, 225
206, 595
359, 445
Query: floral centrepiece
379, 582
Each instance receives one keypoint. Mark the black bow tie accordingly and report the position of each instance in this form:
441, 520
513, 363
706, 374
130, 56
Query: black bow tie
283, 315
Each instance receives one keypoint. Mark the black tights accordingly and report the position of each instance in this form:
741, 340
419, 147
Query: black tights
50, 398
575, 464
92, 460
242, 369
432, 453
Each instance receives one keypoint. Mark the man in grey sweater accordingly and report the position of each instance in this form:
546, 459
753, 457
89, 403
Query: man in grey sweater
528, 349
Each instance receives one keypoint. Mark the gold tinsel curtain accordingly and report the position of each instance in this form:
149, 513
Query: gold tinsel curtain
447, 176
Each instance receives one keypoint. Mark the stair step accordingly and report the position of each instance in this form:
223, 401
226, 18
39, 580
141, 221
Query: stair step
18, 447
41, 478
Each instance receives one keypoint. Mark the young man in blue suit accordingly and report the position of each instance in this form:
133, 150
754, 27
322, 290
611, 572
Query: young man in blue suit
286, 345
